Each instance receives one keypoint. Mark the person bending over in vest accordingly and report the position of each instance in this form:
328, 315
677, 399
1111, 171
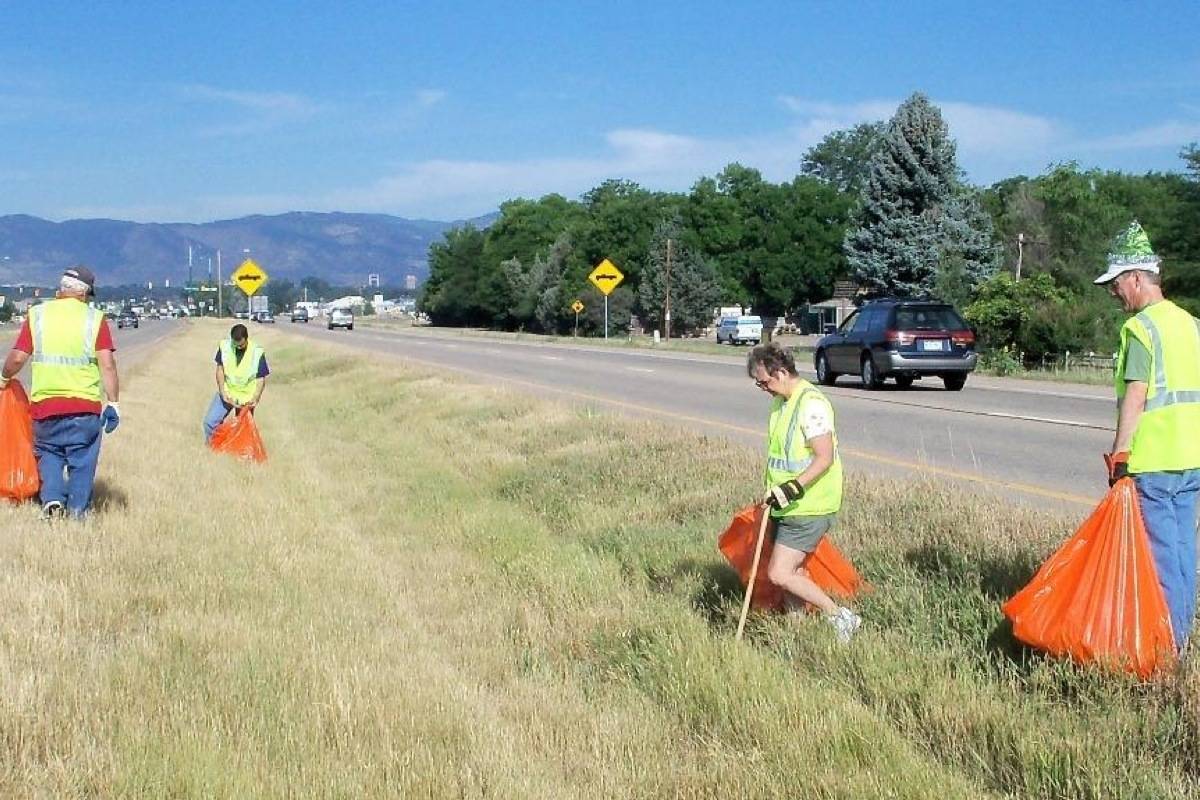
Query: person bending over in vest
1158, 418
71, 349
241, 377
803, 478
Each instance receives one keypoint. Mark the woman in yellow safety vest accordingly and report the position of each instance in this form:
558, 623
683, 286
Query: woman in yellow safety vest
803, 478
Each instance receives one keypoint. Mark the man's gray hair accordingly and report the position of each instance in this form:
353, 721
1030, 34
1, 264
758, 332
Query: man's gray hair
73, 285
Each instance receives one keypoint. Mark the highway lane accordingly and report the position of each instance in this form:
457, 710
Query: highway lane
133, 344
1039, 445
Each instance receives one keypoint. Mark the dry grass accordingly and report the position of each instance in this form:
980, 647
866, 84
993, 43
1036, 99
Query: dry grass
434, 589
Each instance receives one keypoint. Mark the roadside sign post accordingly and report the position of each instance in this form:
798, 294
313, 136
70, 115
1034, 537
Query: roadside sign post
606, 277
577, 307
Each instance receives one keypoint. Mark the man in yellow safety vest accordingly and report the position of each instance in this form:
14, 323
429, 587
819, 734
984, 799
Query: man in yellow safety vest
1158, 419
71, 348
241, 377
803, 478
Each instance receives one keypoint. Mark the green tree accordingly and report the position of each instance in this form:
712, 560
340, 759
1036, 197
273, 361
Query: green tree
449, 295
843, 158
914, 213
1191, 155
694, 290
7, 310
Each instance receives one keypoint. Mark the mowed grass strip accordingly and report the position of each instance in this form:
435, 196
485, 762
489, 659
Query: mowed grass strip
440, 589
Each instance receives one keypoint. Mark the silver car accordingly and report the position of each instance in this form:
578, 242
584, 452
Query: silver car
341, 318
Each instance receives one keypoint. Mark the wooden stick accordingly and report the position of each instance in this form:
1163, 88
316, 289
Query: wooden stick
762, 535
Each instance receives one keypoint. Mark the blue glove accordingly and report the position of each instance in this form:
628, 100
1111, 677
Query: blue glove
111, 417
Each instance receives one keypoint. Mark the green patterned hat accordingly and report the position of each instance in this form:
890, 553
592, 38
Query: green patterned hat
1130, 250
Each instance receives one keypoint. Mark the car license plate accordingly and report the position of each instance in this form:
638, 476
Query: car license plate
932, 344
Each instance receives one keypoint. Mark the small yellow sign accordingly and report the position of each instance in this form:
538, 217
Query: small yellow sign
249, 277
606, 277
577, 306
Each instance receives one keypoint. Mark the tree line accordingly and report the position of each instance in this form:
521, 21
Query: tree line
883, 204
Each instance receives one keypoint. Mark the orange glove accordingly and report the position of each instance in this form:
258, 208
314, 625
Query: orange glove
1118, 466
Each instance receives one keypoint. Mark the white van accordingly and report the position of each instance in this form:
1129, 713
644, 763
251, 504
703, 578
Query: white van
740, 330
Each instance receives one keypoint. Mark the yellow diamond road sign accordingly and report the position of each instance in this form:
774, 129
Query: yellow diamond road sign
606, 276
249, 277
577, 306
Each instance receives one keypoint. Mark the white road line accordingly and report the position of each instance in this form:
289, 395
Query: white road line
639, 369
552, 358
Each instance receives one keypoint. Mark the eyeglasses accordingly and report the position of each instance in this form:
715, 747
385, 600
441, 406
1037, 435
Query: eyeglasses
762, 382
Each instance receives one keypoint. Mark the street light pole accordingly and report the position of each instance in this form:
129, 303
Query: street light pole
220, 305
667, 316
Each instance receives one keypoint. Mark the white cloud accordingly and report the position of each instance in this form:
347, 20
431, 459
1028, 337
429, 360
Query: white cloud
1172, 133
254, 112
993, 142
428, 98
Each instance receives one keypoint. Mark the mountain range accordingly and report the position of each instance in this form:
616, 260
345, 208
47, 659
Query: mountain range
340, 248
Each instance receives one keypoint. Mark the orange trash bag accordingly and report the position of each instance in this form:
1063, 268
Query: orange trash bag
1098, 597
239, 437
828, 568
19, 479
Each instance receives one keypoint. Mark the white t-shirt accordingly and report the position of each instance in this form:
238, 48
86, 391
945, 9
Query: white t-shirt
816, 418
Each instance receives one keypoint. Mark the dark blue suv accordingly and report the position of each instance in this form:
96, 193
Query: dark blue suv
902, 339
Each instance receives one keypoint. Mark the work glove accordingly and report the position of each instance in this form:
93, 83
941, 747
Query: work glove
784, 494
4, 382
1118, 466
111, 417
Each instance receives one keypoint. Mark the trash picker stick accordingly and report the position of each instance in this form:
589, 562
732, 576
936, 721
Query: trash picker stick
762, 534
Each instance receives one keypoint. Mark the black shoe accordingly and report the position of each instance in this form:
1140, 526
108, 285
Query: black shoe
53, 510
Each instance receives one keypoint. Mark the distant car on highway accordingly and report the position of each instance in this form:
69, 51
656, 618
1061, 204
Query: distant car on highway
264, 316
127, 319
740, 330
902, 339
341, 318
300, 314
241, 315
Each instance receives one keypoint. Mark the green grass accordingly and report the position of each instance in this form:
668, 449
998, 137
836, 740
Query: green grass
438, 589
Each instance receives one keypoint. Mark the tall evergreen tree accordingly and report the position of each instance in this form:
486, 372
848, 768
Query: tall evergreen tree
695, 290
915, 216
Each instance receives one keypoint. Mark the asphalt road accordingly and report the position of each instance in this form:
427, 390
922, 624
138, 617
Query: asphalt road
132, 343
1038, 444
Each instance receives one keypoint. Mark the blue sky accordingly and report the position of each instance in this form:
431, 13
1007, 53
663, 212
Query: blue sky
199, 111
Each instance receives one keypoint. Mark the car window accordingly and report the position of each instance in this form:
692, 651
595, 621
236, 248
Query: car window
849, 322
878, 320
933, 318
863, 320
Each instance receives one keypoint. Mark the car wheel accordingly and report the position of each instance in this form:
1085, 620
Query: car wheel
904, 381
349, 327
870, 377
825, 376
955, 381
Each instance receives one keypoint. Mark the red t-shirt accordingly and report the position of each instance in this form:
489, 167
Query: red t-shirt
63, 406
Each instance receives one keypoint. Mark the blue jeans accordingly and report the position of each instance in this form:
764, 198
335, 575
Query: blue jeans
1168, 501
217, 410
69, 444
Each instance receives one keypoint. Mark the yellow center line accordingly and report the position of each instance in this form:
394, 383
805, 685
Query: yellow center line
994, 483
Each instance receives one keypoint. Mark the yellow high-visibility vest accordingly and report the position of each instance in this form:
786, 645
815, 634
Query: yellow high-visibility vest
240, 375
788, 455
64, 350
1168, 433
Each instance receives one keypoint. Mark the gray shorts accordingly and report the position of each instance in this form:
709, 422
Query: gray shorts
802, 532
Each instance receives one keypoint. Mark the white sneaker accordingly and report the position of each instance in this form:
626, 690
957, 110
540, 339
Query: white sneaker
845, 622
53, 510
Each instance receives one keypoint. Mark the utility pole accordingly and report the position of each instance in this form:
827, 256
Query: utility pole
667, 315
220, 305
1020, 253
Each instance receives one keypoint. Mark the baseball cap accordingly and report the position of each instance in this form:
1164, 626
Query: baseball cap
83, 274
1130, 250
